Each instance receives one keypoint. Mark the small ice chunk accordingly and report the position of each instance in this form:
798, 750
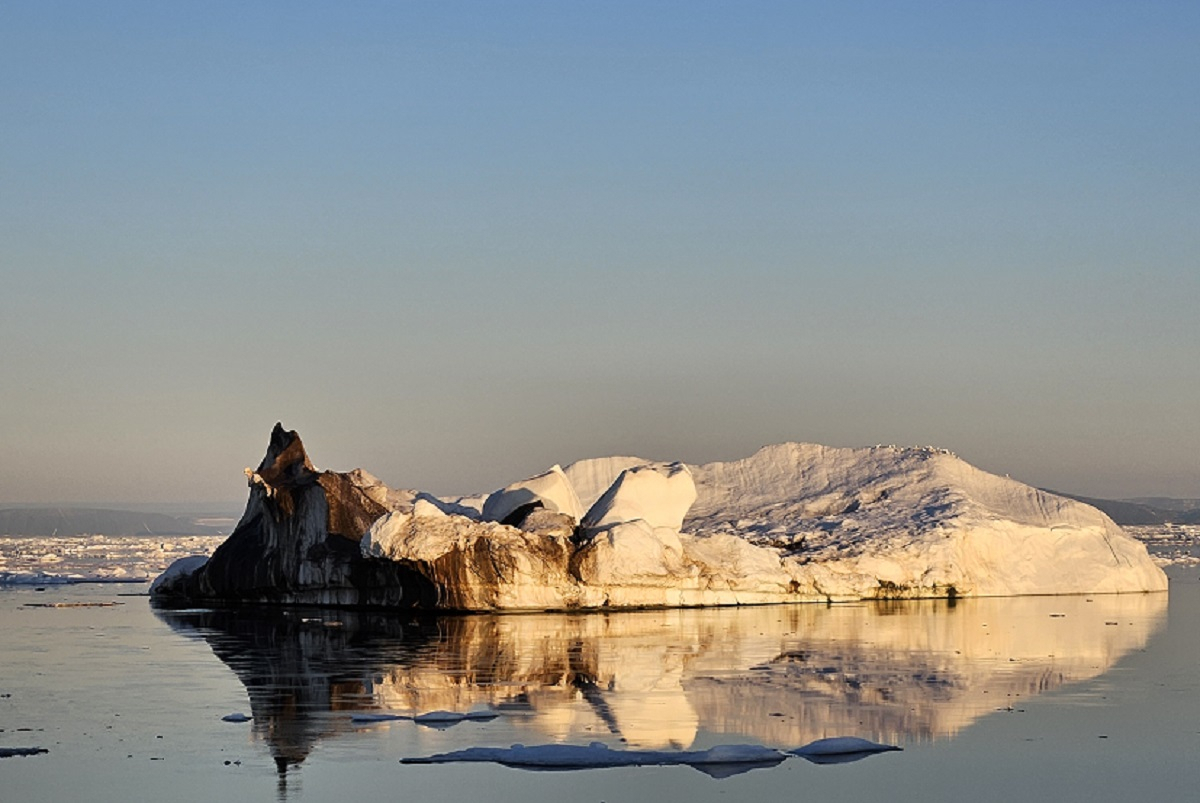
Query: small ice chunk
177, 571
441, 719
839, 749
377, 717
10, 752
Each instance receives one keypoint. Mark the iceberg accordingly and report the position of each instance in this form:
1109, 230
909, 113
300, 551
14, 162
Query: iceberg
792, 523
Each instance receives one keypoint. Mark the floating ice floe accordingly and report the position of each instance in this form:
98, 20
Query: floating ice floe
433, 719
12, 752
446, 718
117, 575
371, 718
841, 750
721, 761
36, 579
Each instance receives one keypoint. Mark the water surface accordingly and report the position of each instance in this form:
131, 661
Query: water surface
1067, 698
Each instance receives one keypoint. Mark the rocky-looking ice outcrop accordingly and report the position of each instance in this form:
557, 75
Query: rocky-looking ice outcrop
298, 541
792, 523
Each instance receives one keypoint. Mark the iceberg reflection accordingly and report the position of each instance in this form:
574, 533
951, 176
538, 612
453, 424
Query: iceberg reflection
671, 679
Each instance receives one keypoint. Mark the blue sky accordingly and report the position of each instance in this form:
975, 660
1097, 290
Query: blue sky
454, 243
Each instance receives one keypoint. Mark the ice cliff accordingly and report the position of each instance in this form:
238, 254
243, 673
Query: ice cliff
792, 523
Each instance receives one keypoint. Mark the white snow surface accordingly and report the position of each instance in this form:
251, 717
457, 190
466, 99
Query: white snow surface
793, 522
551, 488
919, 519
633, 528
658, 495
591, 478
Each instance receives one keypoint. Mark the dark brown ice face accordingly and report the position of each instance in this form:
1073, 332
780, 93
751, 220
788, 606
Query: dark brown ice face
298, 543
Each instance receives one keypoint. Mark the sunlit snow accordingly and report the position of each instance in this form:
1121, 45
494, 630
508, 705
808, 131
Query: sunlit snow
793, 522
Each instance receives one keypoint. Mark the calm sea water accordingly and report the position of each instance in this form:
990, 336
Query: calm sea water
1053, 698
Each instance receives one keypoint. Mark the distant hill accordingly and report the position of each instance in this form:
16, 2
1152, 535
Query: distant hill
1145, 510
1167, 503
97, 521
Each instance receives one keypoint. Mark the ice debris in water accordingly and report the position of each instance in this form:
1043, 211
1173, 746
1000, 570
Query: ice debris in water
63, 559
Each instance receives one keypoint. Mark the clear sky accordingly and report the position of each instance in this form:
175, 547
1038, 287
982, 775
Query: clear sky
456, 242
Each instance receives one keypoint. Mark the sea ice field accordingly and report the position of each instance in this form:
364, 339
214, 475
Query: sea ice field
42, 560
1076, 698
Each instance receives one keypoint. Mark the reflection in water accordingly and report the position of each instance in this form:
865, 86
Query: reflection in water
778, 675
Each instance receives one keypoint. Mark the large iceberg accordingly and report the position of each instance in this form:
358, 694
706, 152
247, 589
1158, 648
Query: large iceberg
792, 523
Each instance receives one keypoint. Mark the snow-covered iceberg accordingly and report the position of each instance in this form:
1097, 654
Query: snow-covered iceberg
792, 523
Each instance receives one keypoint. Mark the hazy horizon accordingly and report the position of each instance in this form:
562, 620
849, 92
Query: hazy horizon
234, 506
456, 243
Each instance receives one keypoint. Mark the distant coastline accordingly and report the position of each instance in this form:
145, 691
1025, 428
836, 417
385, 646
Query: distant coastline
1143, 510
66, 521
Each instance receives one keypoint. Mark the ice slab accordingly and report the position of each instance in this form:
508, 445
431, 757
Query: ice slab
841, 750
720, 761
